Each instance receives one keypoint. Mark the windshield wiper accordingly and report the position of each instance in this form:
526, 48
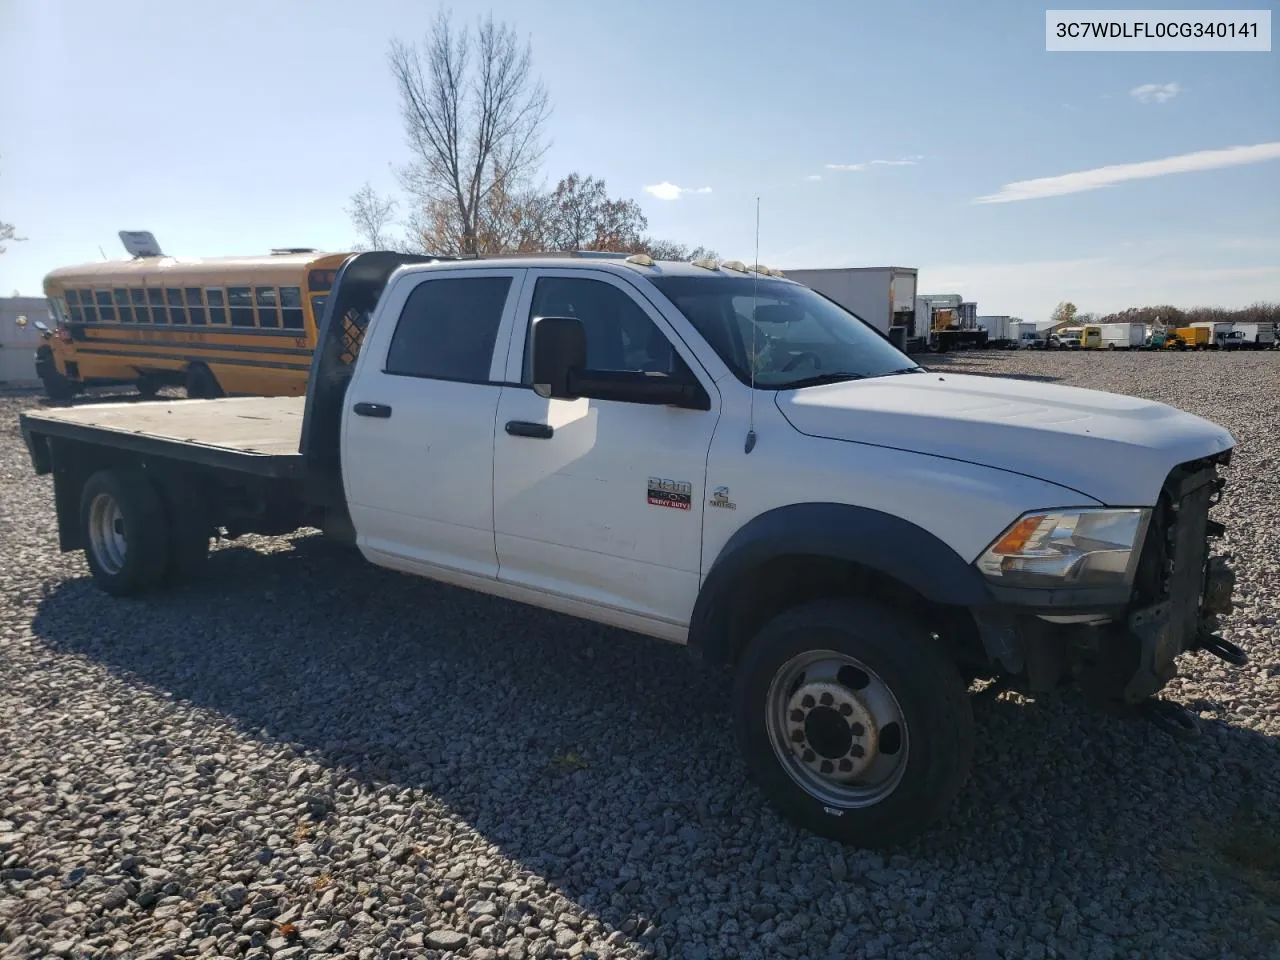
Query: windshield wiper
818, 379
895, 373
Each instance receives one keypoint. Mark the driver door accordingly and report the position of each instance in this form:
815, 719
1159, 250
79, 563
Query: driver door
595, 500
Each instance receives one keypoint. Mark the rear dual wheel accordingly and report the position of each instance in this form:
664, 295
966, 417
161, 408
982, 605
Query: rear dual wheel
853, 721
138, 534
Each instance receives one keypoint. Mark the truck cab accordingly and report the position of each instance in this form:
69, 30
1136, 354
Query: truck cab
717, 457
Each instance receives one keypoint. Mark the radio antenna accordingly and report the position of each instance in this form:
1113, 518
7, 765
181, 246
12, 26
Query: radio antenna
755, 284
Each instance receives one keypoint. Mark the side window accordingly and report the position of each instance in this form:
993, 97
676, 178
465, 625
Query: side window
620, 335
241, 301
448, 328
291, 307
73, 305
217, 305
138, 298
155, 297
268, 310
105, 310
177, 314
195, 306
123, 310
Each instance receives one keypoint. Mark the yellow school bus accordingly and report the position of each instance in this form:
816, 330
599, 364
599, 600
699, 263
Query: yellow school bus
219, 326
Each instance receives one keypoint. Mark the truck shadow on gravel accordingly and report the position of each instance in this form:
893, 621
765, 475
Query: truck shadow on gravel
605, 762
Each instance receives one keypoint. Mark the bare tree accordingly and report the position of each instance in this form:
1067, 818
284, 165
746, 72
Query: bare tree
582, 216
372, 216
473, 113
669, 250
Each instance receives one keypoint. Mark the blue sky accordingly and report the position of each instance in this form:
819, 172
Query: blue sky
238, 126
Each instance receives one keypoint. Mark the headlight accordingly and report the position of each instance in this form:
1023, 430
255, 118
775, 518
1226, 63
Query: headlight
1061, 548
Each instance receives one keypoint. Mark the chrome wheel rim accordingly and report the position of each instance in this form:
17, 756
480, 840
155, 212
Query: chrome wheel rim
837, 729
106, 533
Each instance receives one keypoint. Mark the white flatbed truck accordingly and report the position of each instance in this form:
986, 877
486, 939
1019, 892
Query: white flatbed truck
713, 457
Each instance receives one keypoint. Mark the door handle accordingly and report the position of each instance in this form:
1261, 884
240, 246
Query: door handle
526, 428
363, 409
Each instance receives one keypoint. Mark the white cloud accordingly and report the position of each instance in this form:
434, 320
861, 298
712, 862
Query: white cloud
859, 167
669, 191
1155, 92
1119, 173
814, 176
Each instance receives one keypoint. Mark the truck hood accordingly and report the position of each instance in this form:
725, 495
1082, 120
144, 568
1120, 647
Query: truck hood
1111, 447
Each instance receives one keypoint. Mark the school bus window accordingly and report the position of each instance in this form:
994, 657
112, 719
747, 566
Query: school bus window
123, 310
105, 310
241, 301
195, 306
73, 306
321, 279
217, 306
291, 307
138, 298
86, 302
317, 309
155, 297
268, 311
176, 313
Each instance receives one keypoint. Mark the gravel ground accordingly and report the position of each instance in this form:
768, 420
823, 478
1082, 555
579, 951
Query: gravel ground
307, 756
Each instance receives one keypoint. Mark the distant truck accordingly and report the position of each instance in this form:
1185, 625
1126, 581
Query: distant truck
1256, 336
950, 323
1219, 333
1123, 336
884, 297
1194, 337
1004, 332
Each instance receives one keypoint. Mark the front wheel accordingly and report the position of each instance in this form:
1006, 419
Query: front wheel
853, 721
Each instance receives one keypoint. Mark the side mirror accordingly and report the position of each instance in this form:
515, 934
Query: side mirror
41, 326
559, 347
626, 386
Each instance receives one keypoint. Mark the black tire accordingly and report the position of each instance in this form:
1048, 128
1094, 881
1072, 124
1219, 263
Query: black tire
148, 387
202, 384
927, 687
58, 388
143, 561
189, 531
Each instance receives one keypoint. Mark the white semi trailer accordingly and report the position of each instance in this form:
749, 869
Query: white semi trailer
884, 297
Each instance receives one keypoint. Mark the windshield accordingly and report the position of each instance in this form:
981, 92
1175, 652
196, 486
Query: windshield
800, 337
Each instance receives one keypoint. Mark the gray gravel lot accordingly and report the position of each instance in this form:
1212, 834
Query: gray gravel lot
307, 756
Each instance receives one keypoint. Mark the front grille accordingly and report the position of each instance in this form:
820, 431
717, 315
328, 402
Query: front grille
1176, 550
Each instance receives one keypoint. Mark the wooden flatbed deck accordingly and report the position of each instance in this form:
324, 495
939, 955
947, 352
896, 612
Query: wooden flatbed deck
251, 434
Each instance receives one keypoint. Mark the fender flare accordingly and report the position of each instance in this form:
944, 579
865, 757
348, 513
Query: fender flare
873, 539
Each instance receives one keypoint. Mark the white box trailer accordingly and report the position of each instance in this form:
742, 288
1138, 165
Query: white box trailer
997, 327
1123, 336
1027, 333
1257, 336
885, 297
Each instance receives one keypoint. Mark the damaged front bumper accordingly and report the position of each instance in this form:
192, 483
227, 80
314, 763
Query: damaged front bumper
1122, 646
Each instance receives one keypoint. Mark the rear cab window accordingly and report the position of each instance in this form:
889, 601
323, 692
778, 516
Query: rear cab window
448, 328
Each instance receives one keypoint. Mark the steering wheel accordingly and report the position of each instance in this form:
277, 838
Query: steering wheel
794, 361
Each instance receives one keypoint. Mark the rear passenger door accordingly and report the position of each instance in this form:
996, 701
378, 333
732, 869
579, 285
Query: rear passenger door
417, 447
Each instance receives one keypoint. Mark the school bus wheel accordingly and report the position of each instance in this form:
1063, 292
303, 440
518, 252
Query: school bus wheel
202, 384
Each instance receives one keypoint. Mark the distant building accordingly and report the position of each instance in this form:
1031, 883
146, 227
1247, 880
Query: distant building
19, 339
